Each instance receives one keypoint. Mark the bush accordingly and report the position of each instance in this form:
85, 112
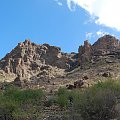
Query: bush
98, 102
62, 99
66, 97
15, 101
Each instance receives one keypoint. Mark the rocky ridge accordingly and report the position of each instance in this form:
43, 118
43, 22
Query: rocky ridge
28, 59
40, 63
105, 47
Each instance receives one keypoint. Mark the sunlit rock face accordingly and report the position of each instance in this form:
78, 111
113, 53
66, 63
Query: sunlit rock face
28, 59
104, 46
84, 52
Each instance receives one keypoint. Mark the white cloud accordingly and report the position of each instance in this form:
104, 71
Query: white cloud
107, 11
71, 4
101, 33
58, 2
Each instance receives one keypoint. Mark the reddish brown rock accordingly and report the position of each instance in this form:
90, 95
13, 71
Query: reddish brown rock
104, 46
27, 59
84, 52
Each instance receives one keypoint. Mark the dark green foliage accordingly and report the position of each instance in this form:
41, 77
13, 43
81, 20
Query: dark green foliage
62, 99
95, 103
99, 101
16, 102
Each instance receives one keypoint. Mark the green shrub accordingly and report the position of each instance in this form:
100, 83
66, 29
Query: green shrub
7, 106
15, 101
62, 99
98, 102
29, 114
22, 96
27, 96
66, 97
62, 91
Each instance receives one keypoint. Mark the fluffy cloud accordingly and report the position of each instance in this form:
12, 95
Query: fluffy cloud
106, 11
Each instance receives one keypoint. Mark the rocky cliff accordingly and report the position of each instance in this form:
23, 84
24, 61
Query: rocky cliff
28, 59
44, 62
105, 47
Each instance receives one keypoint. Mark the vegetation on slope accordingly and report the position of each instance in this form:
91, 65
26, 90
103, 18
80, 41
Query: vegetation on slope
19, 104
99, 102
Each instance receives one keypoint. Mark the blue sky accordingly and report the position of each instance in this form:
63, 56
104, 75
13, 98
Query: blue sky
63, 23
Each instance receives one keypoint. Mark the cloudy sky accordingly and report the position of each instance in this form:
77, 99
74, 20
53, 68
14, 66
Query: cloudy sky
63, 23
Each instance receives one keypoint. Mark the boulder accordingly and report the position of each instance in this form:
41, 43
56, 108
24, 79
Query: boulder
106, 74
70, 87
78, 84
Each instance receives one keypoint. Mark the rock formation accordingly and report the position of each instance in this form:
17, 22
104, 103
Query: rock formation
104, 46
84, 52
28, 59
43, 62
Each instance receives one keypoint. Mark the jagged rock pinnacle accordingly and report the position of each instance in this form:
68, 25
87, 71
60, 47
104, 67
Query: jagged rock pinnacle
28, 59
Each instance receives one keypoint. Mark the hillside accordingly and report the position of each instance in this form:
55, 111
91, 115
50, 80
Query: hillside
45, 65
39, 82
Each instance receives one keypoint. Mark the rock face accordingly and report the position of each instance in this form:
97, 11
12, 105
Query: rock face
104, 46
28, 59
32, 62
84, 52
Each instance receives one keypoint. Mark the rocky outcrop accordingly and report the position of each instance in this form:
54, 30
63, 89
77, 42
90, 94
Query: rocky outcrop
84, 52
44, 62
107, 46
28, 59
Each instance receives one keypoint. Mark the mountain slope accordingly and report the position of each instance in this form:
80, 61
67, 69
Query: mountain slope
49, 67
28, 59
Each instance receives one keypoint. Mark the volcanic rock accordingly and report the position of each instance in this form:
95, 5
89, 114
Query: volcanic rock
106, 47
36, 63
28, 59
